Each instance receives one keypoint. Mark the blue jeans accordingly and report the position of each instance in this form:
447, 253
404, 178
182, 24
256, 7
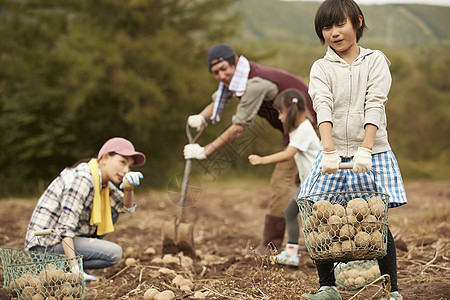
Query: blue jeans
96, 252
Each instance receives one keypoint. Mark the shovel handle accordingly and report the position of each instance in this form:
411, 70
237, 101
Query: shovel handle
187, 172
193, 140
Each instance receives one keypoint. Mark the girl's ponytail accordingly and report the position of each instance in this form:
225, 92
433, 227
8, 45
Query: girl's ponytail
290, 101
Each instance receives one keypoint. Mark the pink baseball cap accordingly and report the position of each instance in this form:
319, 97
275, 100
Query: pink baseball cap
123, 147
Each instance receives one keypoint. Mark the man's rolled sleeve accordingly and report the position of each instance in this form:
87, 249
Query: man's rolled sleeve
257, 90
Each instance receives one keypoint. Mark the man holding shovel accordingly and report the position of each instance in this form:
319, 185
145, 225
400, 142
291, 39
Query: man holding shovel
256, 86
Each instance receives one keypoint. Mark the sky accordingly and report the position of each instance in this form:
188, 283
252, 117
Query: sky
368, 2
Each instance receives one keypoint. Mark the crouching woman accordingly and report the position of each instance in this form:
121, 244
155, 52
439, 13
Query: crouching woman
83, 203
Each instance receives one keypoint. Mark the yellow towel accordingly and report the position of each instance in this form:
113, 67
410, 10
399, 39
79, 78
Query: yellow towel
101, 208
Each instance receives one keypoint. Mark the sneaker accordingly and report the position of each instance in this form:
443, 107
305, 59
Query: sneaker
88, 277
283, 259
394, 296
325, 293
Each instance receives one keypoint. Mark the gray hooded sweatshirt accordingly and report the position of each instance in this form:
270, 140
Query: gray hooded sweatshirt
351, 96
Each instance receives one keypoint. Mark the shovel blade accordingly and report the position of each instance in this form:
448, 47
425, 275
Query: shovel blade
179, 240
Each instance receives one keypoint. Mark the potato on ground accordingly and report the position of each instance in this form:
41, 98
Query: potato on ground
177, 280
150, 294
165, 295
187, 284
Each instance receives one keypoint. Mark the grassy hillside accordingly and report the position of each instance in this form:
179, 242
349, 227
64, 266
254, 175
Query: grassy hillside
389, 25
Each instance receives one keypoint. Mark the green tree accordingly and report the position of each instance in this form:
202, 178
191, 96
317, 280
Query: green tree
75, 73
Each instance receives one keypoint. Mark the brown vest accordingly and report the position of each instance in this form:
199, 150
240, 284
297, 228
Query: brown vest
284, 81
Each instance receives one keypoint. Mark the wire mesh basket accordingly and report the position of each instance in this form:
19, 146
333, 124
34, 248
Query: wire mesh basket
356, 274
35, 275
345, 226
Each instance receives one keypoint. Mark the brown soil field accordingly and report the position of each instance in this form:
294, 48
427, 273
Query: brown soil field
228, 219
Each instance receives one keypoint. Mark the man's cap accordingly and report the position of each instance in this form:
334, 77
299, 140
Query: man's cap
123, 147
220, 52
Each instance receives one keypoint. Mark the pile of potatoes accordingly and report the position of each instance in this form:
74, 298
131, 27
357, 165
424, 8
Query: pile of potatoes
49, 284
356, 274
333, 231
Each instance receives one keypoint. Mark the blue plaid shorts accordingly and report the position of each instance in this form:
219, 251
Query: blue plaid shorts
385, 164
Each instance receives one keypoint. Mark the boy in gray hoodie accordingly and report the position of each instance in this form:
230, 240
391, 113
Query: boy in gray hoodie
349, 88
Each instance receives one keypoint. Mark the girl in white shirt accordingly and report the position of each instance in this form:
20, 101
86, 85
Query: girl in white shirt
303, 147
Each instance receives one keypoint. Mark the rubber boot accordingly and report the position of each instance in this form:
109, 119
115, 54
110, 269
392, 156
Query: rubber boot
273, 235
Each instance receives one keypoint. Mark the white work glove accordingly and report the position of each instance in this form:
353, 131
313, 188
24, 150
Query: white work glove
194, 151
197, 121
362, 161
330, 162
133, 178
86, 277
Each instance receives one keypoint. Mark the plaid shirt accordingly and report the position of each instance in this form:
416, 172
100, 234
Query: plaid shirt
66, 207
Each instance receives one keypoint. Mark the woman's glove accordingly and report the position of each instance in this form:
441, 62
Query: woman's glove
194, 151
197, 121
362, 161
130, 180
330, 162
86, 277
